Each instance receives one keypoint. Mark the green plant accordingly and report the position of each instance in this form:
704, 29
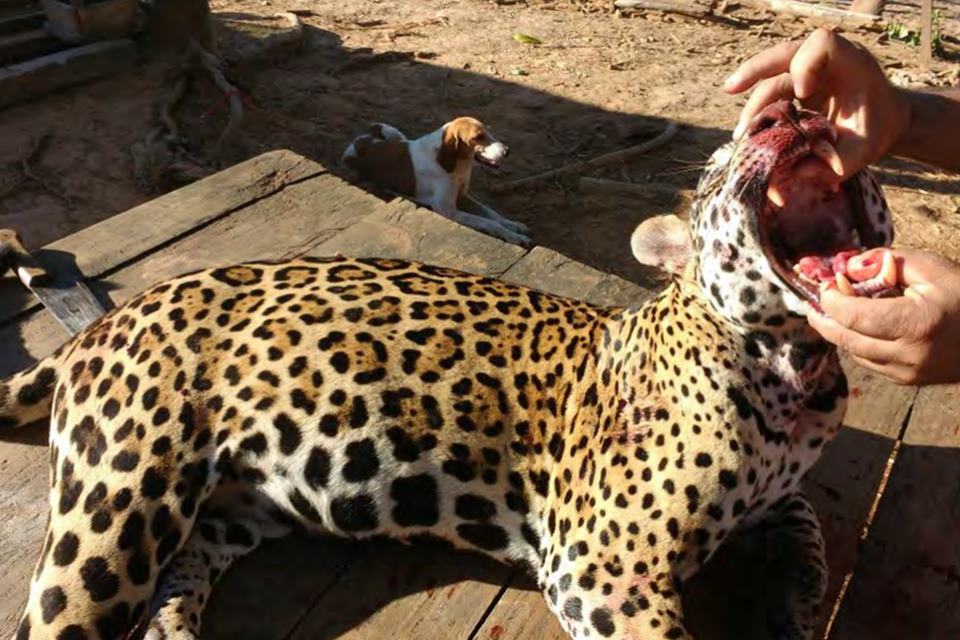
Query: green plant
903, 33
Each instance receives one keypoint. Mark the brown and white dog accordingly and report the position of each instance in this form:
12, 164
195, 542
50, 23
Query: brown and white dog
435, 171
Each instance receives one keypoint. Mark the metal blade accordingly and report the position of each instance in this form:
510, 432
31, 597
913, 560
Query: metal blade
61, 290
70, 302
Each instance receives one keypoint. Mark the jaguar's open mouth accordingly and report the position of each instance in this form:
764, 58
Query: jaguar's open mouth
813, 227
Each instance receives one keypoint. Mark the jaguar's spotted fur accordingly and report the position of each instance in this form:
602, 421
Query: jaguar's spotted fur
612, 450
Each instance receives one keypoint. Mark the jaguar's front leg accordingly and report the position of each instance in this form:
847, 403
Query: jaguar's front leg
604, 598
795, 550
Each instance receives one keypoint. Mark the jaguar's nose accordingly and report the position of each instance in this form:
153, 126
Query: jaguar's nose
782, 112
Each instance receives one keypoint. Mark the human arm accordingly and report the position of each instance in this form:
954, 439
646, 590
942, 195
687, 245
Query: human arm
934, 132
843, 80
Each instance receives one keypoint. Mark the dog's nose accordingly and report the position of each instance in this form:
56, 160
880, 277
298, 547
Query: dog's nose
782, 112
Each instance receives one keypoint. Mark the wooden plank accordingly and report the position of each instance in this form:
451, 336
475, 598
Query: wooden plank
407, 232
617, 292
20, 19
286, 224
521, 613
843, 485
123, 237
73, 65
426, 592
547, 270
265, 595
906, 583
23, 45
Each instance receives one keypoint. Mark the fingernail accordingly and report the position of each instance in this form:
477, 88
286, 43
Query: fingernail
730, 81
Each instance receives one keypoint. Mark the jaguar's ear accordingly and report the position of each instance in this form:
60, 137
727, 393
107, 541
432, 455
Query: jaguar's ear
663, 242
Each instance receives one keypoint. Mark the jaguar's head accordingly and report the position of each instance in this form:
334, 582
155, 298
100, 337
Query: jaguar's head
771, 223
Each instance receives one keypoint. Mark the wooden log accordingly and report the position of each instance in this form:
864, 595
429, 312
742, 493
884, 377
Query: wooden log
684, 7
926, 32
830, 14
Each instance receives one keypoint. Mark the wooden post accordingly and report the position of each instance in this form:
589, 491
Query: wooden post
926, 32
874, 7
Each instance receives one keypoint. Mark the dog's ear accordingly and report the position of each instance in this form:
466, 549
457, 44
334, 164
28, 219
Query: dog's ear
447, 156
451, 148
663, 242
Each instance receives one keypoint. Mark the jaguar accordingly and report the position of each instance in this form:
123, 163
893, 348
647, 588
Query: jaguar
609, 450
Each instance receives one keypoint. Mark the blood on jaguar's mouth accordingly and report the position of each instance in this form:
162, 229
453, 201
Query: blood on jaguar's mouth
814, 229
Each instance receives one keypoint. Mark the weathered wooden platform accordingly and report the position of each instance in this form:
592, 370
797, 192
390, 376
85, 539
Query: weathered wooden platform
895, 557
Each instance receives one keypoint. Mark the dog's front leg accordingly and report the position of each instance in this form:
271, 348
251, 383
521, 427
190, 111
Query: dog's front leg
488, 226
467, 201
485, 225
446, 204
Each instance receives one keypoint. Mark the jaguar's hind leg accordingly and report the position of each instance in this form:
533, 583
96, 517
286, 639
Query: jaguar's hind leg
185, 587
795, 552
108, 539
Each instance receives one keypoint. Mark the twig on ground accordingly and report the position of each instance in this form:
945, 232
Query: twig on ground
687, 8
618, 188
214, 67
13, 187
833, 14
614, 157
162, 155
377, 25
167, 107
27, 175
365, 60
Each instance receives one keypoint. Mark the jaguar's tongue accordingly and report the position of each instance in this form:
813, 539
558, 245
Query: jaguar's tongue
871, 273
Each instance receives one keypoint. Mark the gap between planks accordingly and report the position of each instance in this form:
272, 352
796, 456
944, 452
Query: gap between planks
871, 516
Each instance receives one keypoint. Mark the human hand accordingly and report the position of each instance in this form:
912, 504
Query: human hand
913, 339
836, 77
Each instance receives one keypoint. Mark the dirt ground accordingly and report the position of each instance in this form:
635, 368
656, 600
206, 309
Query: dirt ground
598, 82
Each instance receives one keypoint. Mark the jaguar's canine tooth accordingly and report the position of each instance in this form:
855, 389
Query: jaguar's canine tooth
888, 270
824, 150
774, 196
844, 286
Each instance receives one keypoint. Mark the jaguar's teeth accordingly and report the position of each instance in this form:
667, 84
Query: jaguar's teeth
855, 238
888, 269
774, 196
828, 153
844, 286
